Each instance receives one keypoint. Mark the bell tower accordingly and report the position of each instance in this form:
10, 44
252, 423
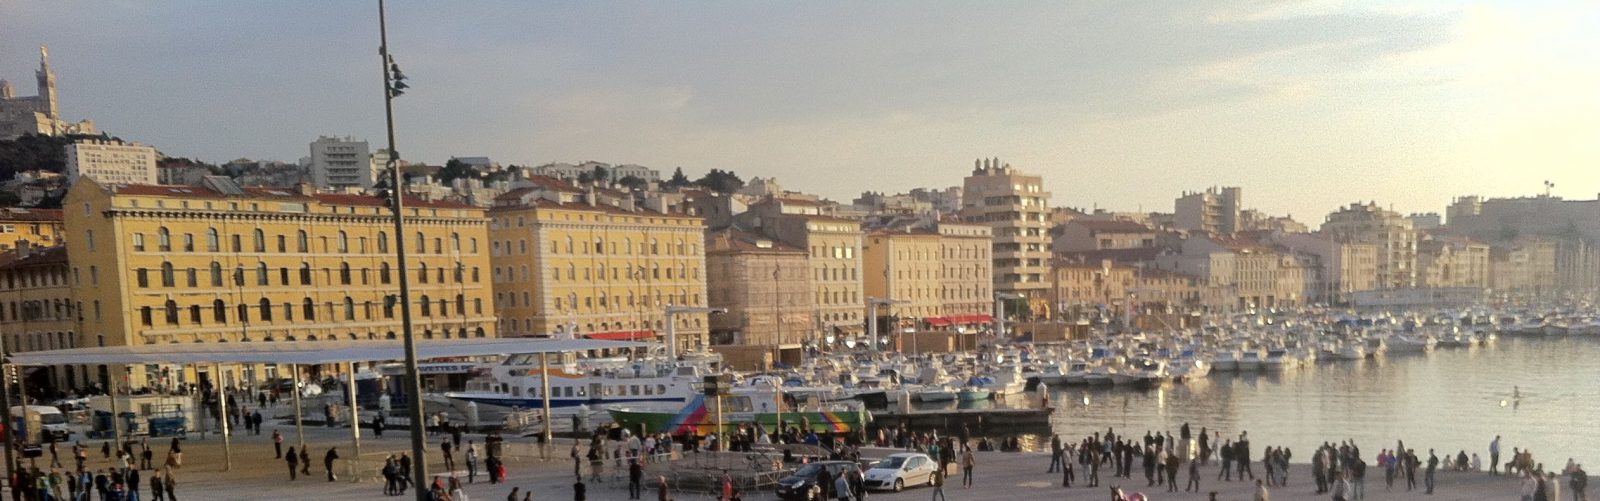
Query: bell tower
47, 85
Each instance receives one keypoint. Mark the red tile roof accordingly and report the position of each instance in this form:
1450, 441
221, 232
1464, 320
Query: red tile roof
553, 184
1114, 226
19, 214
42, 257
177, 191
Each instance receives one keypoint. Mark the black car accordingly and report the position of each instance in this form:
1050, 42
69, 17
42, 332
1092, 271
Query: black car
802, 485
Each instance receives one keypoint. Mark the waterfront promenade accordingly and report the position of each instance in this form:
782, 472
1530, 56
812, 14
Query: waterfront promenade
999, 475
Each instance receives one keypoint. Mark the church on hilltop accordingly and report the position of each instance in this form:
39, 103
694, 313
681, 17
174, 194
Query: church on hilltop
36, 114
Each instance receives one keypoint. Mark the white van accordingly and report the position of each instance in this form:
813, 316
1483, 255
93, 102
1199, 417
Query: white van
42, 421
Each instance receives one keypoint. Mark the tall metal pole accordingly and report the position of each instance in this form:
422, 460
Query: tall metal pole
544, 397
872, 326
413, 382
355, 424
5, 413
299, 428
222, 405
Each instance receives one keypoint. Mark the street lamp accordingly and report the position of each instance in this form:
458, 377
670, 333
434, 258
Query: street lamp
872, 321
393, 86
1000, 310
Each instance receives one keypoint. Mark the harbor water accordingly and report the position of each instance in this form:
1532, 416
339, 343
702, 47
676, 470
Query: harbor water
1449, 400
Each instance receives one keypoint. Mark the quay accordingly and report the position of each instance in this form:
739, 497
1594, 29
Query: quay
978, 420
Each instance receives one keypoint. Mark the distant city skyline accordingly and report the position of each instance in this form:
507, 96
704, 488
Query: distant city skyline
1308, 106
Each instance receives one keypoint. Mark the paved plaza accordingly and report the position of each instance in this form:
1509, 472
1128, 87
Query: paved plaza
999, 476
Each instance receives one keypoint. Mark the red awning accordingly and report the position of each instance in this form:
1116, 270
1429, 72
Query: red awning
622, 335
937, 321
970, 319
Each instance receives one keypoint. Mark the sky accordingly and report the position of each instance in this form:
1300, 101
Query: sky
1307, 105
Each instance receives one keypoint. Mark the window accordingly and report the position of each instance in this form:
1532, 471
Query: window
383, 242
145, 314
216, 274
167, 278
219, 312
238, 276
193, 278
427, 307
259, 239
302, 243
422, 272
172, 312
344, 242
263, 276
94, 275
238, 243
266, 310
344, 273
477, 306
308, 310
188, 242
455, 242
422, 243
305, 273
138, 242
143, 277
244, 313
213, 241
283, 276
383, 274
349, 308
164, 240
283, 244
288, 312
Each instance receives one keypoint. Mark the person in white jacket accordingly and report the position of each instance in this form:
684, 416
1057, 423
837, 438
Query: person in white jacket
1530, 485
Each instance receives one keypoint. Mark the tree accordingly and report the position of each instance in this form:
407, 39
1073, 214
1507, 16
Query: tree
678, 180
634, 182
721, 181
601, 174
9, 199
456, 169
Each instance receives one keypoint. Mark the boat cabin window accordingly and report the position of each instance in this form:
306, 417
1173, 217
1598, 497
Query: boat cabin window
516, 392
661, 389
633, 390
686, 371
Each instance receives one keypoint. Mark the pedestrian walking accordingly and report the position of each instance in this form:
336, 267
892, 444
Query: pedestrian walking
1494, 456
1579, 480
1341, 488
277, 445
305, 460
938, 485
1433, 465
1194, 474
171, 485
1055, 453
327, 462
1261, 492
472, 462
635, 478
968, 461
294, 463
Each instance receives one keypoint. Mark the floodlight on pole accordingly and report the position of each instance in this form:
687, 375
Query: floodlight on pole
1000, 310
872, 321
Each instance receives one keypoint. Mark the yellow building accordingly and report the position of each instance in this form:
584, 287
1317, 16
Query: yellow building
967, 267
219, 263
38, 227
587, 261
37, 311
904, 266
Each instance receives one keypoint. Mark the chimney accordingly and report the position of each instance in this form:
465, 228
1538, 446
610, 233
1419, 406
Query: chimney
305, 189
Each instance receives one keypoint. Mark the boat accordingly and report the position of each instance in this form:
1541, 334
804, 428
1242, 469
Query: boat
974, 394
1250, 360
1407, 343
936, 393
516, 383
1225, 361
1350, 351
1077, 373
1278, 360
700, 416
1189, 368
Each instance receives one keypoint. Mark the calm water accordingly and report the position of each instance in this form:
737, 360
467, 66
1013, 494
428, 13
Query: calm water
1448, 400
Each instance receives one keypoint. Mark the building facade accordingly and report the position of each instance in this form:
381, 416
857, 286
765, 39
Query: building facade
39, 114
766, 288
904, 266
966, 277
112, 162
342, 163
1084, 234
219, 263
1215, 211
1390, 232
38, 312
1016, 208
30, 227
567, 262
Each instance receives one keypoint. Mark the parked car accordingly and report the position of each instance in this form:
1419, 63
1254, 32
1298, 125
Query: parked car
900, 470
802, 485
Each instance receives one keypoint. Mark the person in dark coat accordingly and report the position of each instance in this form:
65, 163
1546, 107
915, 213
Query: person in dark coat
327, 462
294, 463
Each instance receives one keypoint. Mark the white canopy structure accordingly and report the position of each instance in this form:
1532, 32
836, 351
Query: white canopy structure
308, 352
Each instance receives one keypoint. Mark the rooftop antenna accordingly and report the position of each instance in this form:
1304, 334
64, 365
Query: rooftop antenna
1547, 186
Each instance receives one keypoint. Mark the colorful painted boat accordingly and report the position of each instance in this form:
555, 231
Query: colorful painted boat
699, 417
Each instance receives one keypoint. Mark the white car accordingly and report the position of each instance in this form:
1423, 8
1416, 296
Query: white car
900, 470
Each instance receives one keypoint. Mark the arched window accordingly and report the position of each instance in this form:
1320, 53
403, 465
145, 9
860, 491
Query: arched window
302, 242
422, 243
383, 273
244, 312
238, 276
349, 308
266, 310
308, 310
427, 307
344, 242
172, 312
461, 304
455, 242
164, 240
262, 275
216, 274
213, 241
344, 273
422, 272
383, 242
219, 312
258, 239
305, 273
168, 278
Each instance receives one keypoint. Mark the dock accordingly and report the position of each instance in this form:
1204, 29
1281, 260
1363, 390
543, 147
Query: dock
976, 419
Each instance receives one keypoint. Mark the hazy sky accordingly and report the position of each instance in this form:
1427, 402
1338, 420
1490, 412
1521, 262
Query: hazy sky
1307, 105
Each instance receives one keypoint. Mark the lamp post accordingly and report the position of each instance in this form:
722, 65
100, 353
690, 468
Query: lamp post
872, 323
393, 86
672, 324
1000, 311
